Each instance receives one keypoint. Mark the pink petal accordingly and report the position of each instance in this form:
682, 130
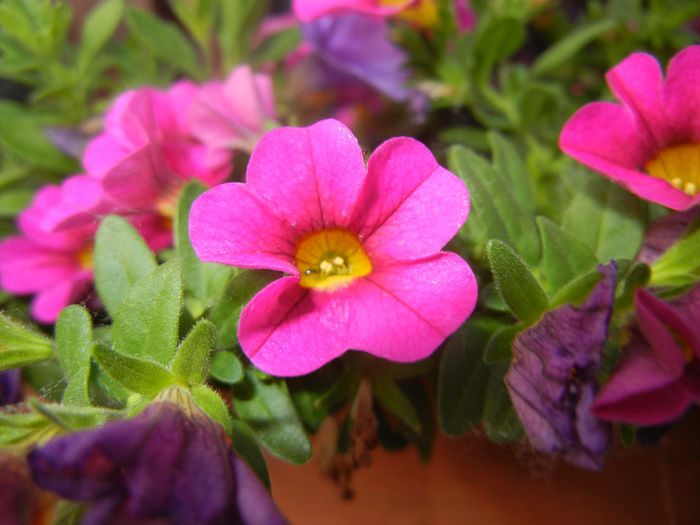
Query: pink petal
82, 200
180, 98
607, 138
138, 180
102, 153
655, 318
49, 302
188, 160
130, 120
410, 206
27, 267
310, 177
308, 10
637, 83
640, 391
230, 225
401, 312
681, 94
250, 98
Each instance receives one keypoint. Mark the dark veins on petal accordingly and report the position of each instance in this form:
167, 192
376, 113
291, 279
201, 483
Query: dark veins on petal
552, 381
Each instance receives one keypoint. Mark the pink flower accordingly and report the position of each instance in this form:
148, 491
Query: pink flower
57, 267
362, 245
658, 376
650, 144
234, 113
421, 12
145, 155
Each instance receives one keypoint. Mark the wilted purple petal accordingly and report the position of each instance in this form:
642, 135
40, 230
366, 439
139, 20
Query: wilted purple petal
357, 47
552, 378
161, 465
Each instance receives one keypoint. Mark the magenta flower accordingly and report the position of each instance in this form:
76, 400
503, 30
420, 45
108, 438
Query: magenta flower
235, 113
308, 10
362, 246
141, 161
57, 266
658, 376
650, 144
164, 465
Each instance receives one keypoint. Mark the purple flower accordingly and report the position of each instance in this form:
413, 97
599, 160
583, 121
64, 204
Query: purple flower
10, 387
355, 47
552, 378
162, 466
658, 376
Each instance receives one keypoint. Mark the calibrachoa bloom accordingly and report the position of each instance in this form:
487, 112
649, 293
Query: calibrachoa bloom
235, 113
421, 12
651, 143
143, 158
658, 376
552, 379
362, 246
351, 48
56, 266
162, 466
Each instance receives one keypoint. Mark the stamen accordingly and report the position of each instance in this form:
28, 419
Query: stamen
679, 165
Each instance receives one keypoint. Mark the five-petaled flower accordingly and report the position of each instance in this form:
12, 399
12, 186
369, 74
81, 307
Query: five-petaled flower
658, 376
362, 246
166, 465
651, 143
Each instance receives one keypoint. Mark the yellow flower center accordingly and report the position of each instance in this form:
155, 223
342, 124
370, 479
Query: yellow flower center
679, 165
425, 14
86, 257
329, 259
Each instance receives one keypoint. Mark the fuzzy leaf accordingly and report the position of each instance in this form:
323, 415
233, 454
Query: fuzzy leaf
227, 368
137, 375
121, 259
516, 284
268, 409
146, 321
74, 350
191, 361
20, 346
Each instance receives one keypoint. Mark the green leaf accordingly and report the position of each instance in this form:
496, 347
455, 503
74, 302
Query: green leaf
98, 27
22, 133
225, 313
606, 218
121, 259
213, 405
564, 257
494, 204
21, 346
268, 409
637, 277
247, 448
75, 418
500, 345
20, 428
237, 23
575, 291
390, 396
13, 202
226, 368
164, 39
191, 361
276, 47
74, 350
205, 280
146, 321
143, 377
463, 376
500, 419
566, 48
678, 262
516, 284
508, 162
496, 39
